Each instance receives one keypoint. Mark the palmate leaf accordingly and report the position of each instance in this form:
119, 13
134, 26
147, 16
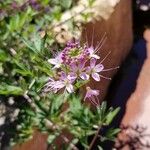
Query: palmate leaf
37, 45
106, 115
56, 104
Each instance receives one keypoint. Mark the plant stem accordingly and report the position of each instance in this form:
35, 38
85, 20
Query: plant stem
94, 139
73, 147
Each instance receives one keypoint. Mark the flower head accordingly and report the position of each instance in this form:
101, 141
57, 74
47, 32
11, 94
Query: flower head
73, 68
92, 95
65, 81
74, 52
79, 70
94, 69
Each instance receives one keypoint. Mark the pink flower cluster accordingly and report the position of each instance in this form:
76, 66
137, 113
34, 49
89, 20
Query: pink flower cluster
76, 63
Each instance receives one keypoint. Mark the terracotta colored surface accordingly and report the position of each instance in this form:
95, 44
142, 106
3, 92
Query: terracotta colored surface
37, 143
119, 40
137, 115
119, 33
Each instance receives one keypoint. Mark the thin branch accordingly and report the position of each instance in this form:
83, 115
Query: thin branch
73, 147
94, 139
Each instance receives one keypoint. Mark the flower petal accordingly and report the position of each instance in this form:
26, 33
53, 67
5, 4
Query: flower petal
69, 88
95, 56
72, 76
53, 61
81, 64
92, 62
84, 76
91, 50
58, 85
99, 68
63, 76
74, 67
95, 92
96, 76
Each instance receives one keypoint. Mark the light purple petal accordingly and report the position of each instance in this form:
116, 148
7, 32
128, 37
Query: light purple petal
72, 76
99, 68
74, 67
96, 76
59, 85
91, 50
69, 88
88, 69
92, 62
84, 76
95, 56
53, 61
95, 92
81, 64
63, 75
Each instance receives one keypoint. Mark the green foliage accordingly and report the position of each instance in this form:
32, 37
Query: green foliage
53, 119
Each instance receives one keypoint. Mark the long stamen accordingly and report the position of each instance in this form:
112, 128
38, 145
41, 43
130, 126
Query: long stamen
105, 77
94, 100
86, 39
109, 69
101, 43
98, 101
105, 57
92, 36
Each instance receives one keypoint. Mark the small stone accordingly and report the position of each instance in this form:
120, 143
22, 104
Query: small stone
144, 7
11, 101
2, 120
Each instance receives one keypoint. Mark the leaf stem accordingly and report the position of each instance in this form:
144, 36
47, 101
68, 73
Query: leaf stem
94, 139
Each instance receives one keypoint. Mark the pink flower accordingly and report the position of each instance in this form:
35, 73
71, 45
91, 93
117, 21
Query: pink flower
94, 69
92, 95
65, 81
53, 86
79, 70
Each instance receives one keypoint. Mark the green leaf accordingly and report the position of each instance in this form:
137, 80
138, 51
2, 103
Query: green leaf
51, 138
37, 42
56, 104
3, 56
10, 90
29, 45
66, 3
111, 134
37, 45
14, 22
110, 116
100, 148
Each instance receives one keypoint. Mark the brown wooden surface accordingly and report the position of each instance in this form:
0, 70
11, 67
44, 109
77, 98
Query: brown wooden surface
119, 40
